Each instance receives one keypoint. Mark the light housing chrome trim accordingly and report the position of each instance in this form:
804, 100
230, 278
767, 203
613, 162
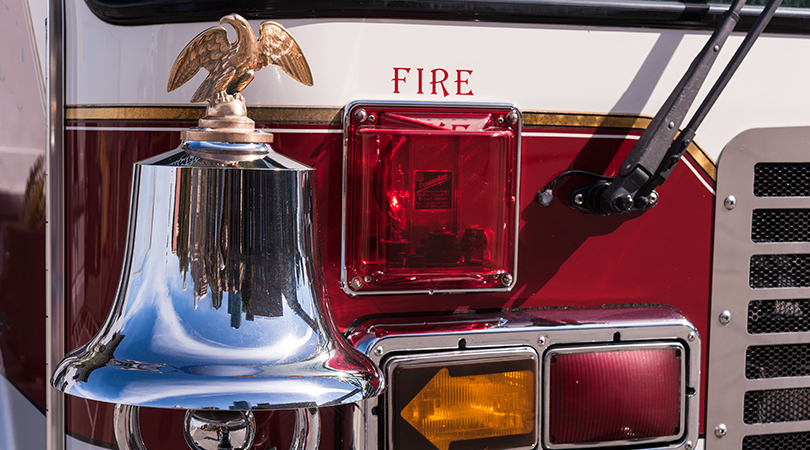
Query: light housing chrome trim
540, 330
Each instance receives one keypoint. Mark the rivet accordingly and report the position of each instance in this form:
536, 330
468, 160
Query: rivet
378, 351
721, 430
725, 317
356, 283
512, 117
730, 202
671, 125
506, 279
716, 48
360, 115
692, 336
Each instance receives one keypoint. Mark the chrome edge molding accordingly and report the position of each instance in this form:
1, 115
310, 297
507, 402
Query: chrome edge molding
55, 224
540, 339
347, 119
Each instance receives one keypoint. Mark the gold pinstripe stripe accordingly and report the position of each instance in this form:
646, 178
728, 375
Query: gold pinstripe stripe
332, 116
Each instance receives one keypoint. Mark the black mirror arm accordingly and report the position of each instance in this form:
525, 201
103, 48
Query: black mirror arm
658, 150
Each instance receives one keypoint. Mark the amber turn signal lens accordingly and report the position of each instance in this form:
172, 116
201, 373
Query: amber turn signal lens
483, 405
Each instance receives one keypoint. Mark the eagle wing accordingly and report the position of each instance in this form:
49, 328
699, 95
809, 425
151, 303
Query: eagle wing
206, 50
277, 47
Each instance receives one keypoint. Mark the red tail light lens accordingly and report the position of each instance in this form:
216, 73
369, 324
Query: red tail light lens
601, 396
430, 198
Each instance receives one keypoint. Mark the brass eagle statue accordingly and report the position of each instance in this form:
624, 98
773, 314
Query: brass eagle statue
232, 66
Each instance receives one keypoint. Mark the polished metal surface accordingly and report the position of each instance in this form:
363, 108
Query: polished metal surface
221, 302
127, 427
506, 338
55, 222
307, 431
731, 284
231, 68
213, 430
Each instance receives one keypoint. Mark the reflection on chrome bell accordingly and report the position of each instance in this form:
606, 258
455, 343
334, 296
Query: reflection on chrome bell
221, 303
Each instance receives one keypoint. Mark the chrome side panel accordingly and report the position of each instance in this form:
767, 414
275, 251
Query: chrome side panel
55, 231
732, 290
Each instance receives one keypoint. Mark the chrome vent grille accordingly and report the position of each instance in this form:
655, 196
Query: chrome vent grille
777, 361
781, 180
759, 355
779, 316
776, 405
779, 271
784, 441
780, 225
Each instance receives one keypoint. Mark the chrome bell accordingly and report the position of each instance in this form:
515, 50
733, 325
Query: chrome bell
221, 303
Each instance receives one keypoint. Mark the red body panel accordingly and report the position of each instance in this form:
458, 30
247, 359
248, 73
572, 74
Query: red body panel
566, 258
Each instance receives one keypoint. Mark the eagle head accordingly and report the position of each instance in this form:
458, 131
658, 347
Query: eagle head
236, 21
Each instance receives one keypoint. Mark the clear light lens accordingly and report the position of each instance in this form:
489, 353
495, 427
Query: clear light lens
615, 395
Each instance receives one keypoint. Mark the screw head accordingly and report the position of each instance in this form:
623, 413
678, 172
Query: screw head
653, 198
579, 199
360, 115
541, 341
378, 351
506, 279
499, 120
692, 336
671, 125
725, 317
512, 117
716, 48
625, 202
730, 202
689, 445
368, 279
356, 283
372, 118
721, 430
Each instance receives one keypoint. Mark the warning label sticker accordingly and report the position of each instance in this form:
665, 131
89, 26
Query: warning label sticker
433, 190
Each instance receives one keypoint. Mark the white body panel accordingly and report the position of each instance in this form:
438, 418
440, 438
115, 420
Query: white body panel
536, 67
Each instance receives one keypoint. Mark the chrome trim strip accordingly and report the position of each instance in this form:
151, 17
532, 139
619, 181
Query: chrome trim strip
610, 348
452, 358
539, 338
346, 119
55, 225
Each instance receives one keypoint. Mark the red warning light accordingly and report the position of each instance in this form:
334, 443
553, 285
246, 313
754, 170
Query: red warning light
431, 198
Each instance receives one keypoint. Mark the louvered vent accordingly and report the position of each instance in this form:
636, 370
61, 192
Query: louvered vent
759, 355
